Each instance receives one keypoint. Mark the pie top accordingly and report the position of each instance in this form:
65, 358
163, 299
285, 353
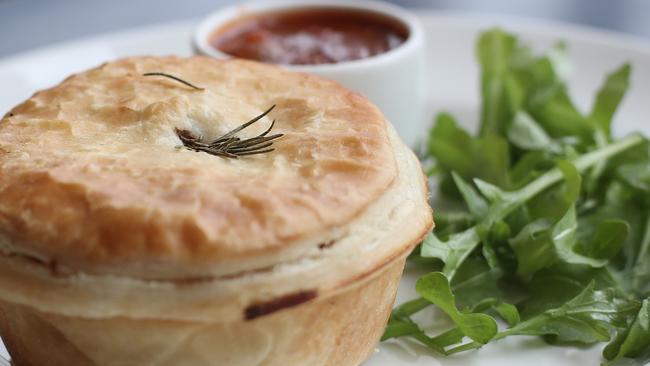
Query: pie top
94, 176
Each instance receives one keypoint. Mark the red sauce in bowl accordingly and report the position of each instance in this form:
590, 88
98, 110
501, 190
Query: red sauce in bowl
310, 36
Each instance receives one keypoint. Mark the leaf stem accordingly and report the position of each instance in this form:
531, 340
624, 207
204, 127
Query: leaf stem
411, 307
465, 347
582, 163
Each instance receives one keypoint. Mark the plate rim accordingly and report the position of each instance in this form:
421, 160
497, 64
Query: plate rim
540, 26
459, 19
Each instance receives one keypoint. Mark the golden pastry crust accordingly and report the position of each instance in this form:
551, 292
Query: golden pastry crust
91, 176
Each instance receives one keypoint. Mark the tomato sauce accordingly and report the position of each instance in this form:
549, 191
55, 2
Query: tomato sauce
310, 36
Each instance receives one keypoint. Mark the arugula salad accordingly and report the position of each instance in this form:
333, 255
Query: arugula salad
543, 216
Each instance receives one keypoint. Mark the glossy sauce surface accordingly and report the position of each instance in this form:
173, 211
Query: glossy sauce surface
310, 36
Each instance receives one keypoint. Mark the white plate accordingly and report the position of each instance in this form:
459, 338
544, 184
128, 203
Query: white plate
453, 82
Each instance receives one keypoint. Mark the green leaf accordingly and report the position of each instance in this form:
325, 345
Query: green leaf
609, 97
553, 203
636, 175
432, 247
507, 312
582, 319
533, 248
530, 166
449, 222
400, 327
620, 202
553, 109
492, 157
488, 251
526, 134
475, 203
453, 252
632, 341
451, 145
537, 245
495, 50
560, 61
448, 338
490, 191
476, 281
608, 240
410, 307
641, 263
455, 150
554, 286
564, 240
435, 288
572, 181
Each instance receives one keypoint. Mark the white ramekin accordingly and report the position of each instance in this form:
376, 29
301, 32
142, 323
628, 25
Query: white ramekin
392, 80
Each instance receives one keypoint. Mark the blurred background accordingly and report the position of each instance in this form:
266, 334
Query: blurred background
26, 24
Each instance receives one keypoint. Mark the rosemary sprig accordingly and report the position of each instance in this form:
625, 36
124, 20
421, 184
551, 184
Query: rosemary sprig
230, 146
227, 146
173, 78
